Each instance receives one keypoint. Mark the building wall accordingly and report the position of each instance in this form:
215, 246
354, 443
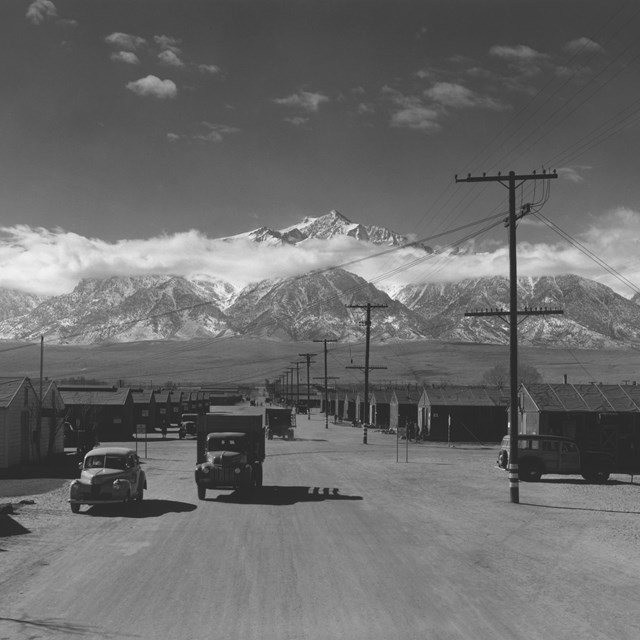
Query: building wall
19, 421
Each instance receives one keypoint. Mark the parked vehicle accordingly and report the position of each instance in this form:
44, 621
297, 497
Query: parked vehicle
546, 454
280, 422
108, 475
188, 424
231, 451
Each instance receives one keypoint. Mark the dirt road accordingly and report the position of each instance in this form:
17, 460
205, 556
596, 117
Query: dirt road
342, 542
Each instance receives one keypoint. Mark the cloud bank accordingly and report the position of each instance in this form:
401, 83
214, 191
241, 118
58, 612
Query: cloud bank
51, 262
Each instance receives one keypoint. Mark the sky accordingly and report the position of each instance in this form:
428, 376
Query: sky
136, 133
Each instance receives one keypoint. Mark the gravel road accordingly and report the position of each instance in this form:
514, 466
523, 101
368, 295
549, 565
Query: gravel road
345, 540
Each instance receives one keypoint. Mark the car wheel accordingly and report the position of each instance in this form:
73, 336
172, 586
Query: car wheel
140, 496
530, 471
596, 476
75, 508
257, 478
202, 492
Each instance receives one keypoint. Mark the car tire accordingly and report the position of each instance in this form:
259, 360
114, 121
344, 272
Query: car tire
75, 508
140, 496
596, 477
202, 492
530, 471
257, 478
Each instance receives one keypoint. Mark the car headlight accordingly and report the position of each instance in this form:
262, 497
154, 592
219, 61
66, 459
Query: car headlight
204, 469
237, 470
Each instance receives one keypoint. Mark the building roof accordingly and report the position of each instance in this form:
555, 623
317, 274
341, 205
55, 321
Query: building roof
142, 397
462, 396
8, 389
115, 397
599, 398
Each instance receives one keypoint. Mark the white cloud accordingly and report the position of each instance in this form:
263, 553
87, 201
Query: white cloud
410, 112
582, 45
455, 95
153, 87
167, 43
520, 53
41, 10
51, 262
127, 57
214, 132
573, 174
170, 59
305, 100
125, 41
209, 68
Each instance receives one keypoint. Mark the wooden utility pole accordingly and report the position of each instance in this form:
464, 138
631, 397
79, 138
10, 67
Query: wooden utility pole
308, 357
326, 391
510, 183
367, 367
297, 363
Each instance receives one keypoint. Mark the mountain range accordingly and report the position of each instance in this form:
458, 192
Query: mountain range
317, 305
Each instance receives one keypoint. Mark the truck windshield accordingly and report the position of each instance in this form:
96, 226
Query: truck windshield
226, 444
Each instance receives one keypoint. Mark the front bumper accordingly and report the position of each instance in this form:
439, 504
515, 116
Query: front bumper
220, 477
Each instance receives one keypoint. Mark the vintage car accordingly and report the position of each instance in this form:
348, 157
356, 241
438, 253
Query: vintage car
108, 475
548, 454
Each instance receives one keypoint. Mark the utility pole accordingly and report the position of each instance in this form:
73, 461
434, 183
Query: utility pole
297, 363
510, 183
326, 391
308, 357
367, 367
290, 373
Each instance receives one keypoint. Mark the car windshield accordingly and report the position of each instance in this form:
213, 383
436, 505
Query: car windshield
107, 461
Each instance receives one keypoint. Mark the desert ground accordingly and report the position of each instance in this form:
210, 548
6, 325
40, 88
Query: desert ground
345, 540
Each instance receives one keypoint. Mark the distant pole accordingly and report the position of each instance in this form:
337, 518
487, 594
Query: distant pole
326, 390
367, 324
308, 357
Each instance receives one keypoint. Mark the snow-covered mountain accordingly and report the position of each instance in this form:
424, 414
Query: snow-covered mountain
324, 228
320, 305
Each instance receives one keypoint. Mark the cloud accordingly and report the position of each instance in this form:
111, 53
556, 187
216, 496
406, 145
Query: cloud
51, 262
167, 43
582, 45
152, 86
41, 10
410, 112
455, 95
125, 41
214, 132
127, 57
170, 59
572, 174
305, 100
209, 68
520, 53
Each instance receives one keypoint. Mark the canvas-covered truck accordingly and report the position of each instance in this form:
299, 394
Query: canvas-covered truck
280, 422
230, 450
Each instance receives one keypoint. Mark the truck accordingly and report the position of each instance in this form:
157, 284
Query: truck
280, 422
230, 450
188, 423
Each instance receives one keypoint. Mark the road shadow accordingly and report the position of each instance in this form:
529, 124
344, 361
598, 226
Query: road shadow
554, 506
9, 527
134, 510
34, 627
311, 439
280, 496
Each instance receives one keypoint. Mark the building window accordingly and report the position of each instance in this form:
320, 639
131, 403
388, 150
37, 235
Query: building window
117, 421
145, 413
